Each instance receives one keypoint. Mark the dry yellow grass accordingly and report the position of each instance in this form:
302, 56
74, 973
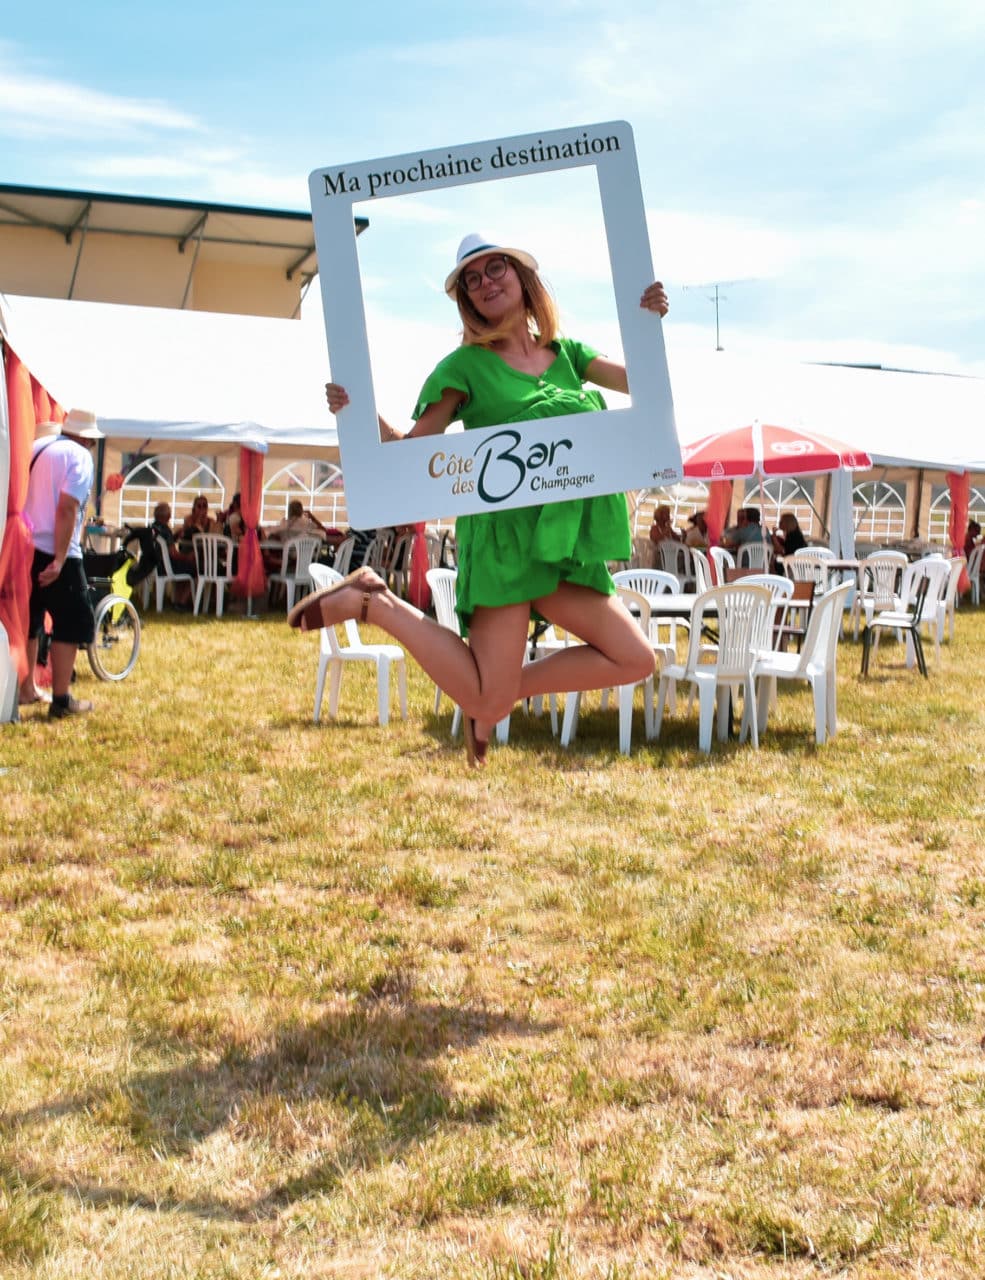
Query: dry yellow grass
283, 1000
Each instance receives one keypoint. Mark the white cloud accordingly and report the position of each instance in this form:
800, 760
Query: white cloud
691, 248
40, 106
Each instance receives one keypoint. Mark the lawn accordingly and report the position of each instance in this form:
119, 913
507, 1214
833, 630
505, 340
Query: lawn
285, 1000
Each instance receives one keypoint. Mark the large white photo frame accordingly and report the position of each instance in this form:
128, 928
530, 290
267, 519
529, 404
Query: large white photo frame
522, 464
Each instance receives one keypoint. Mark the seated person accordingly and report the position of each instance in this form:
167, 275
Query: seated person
746, 529
198, 520
696, 534
161, 524
661, 528
299, 524
232, 520
788, 536
972, 534
181, 562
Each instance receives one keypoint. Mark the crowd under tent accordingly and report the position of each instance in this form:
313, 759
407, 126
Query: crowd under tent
84, 248
179, 393
918, 429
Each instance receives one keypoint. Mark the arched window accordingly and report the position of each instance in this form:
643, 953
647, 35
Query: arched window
317, 484
879, 510
175, 478
939, 523
683, 499
787, 493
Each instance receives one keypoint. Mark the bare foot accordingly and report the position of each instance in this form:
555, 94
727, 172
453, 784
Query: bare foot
475, 747
28, 696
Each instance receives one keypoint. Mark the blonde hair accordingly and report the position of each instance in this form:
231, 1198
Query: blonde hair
541, 309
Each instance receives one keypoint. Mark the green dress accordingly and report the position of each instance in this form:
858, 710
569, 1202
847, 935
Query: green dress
513, 556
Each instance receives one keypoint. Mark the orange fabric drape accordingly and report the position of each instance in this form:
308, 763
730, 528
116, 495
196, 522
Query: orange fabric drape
960, 486
418, 591
251, 580
28, 403
716, 514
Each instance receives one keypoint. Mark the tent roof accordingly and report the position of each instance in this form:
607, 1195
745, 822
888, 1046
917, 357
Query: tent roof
899, 418
168, 253
169, 379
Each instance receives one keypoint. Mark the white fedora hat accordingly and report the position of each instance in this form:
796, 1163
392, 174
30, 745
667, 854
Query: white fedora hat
475, 245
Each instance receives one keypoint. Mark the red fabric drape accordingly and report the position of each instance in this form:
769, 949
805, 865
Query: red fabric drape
418, 591
960, 486
250, 577
716, 513
28, 403
45, 409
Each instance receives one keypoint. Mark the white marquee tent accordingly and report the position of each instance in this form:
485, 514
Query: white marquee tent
180, 377
163, 379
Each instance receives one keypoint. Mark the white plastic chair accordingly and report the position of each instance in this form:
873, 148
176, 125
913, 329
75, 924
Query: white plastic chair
572, 701
780, 585
975, 569
816, 664
721, 559
295, 562
166, 577
442, 583
651, 583
703, 577
906, 620
950, 604
398, 563
433, 544
809, 564
938, 572
377, 553
8, 680
878, 579
675, 557
343, 554
214, 561
333, 656
753, 555
744, 618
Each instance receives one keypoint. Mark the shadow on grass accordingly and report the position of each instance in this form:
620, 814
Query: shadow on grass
371, 1072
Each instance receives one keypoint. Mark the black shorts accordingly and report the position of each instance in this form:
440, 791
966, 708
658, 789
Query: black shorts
66, 599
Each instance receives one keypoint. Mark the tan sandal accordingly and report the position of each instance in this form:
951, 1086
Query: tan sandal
307, 613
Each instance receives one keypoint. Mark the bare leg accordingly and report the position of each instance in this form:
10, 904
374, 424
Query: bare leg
483, 676
28, 690
62, 666
486, 677
615, 650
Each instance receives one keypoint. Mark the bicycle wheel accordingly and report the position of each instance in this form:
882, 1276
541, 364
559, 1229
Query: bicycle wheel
113, 653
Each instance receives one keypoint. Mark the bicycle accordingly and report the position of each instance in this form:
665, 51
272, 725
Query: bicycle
116, 643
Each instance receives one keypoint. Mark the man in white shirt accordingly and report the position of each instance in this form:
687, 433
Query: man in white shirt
58, 489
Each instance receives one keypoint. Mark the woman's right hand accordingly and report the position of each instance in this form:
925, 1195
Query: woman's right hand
336, 396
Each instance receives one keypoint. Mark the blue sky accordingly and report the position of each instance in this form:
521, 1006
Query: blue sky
826, 157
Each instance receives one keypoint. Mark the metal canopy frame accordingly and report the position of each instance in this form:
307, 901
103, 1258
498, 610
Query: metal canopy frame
232, 235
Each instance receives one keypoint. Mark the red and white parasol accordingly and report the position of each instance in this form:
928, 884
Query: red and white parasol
765, 449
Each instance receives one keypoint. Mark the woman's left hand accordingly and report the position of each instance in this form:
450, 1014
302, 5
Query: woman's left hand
655, 299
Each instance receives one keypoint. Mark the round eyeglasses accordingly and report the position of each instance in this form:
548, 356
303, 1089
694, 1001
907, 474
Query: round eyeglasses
494, 269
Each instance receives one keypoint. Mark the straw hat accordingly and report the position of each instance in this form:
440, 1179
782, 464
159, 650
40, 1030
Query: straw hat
475, 245
82, 423
79, 423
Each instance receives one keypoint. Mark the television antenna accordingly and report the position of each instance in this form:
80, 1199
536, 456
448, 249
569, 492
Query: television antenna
717, 297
